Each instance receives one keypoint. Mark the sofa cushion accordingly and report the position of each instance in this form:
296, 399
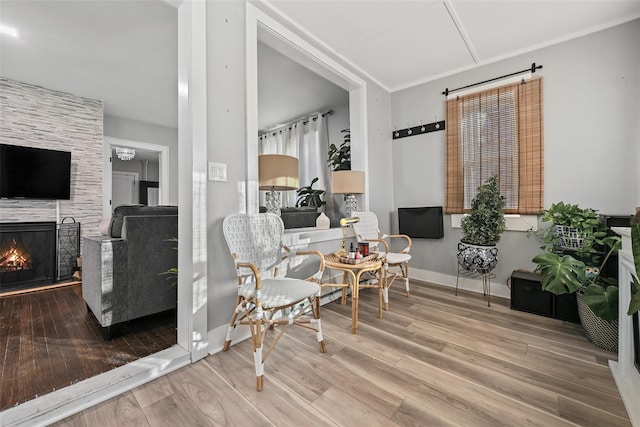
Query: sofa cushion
136, 210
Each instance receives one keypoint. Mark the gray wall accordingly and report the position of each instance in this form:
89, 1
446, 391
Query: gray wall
153, 168
591, 134
37, 117
227, 144
153, 134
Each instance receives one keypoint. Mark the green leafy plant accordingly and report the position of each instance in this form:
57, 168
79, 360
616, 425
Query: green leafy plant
567, 270
172, 273
308, 196
340, 157
485, 222
563, 274
585, 222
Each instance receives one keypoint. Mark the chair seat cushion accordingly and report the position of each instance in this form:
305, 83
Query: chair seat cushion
395, 258
280, 292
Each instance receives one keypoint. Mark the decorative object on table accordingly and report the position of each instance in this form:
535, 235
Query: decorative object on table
323, 222
276, 172
578, 266
344, 223
395, 264
266, 300
481, 232
349, 183
354, 261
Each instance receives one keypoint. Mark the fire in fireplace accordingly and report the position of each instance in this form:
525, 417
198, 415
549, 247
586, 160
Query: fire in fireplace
27, 254
14, 258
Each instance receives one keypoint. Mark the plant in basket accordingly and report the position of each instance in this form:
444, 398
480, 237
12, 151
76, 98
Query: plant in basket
579, 267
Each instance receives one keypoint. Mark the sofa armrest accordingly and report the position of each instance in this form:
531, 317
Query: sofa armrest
104, 281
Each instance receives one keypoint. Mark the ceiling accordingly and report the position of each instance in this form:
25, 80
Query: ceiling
125, 52
400, 44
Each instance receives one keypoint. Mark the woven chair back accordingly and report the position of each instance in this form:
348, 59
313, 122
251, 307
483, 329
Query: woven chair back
256, 239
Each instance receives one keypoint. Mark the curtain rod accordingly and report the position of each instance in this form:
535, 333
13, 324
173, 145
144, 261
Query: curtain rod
280, 128
533, 69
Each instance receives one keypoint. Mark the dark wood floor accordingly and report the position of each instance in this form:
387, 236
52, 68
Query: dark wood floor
49, 340
433, 360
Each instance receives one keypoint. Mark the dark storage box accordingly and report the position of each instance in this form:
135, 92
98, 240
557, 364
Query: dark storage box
527, 295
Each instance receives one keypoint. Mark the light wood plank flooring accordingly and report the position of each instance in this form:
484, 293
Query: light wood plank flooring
433, 360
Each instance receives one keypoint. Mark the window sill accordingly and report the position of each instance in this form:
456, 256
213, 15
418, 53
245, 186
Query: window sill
515, 222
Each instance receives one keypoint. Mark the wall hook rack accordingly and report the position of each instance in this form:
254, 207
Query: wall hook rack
418, 130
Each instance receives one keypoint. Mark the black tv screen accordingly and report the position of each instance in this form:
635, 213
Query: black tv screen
34, 173
421, 223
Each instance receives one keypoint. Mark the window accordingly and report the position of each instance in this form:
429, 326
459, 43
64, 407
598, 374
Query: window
496, 131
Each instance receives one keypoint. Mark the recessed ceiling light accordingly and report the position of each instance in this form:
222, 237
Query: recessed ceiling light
8, 30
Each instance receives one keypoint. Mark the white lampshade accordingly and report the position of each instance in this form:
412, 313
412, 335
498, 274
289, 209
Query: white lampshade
277, 172
347, 182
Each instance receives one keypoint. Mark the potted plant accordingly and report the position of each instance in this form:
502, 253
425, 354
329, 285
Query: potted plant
576, 263
309, 196
340, 157
482, 229
573, 228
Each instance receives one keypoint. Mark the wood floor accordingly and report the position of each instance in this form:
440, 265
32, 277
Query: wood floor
434, 360
48, 340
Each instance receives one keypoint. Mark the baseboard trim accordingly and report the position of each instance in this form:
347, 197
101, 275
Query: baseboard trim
465, 283
39, 288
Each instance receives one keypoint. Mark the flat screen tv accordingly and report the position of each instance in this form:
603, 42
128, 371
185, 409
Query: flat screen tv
34, 173
421, 223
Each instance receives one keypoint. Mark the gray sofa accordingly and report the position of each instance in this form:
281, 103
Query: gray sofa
121, 278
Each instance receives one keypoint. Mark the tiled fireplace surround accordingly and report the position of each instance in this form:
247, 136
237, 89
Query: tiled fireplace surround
38, 117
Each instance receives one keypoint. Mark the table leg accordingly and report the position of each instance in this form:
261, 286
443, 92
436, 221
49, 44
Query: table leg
381, 285
345, 280
354, 301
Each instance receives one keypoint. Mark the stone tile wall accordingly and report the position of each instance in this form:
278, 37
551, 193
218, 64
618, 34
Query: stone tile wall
38, 117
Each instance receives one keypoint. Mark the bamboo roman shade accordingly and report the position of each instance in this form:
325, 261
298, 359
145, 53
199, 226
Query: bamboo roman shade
496, 131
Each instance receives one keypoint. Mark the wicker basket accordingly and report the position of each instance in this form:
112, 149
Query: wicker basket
568, 238
600, 332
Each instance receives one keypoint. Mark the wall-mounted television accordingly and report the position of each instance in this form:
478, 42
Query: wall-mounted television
34, 173
421, 223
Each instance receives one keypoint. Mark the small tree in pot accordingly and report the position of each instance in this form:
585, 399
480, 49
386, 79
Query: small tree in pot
482, 229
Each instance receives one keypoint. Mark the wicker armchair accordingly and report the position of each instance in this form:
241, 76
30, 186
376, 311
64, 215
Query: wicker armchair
395, 264
268, 301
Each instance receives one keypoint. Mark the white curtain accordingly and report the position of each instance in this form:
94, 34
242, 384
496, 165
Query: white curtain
307, 140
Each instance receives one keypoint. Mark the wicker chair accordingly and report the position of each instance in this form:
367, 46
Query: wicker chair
395, 264
266, 298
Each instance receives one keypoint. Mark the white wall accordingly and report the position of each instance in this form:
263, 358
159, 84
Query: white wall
153, 134
591, 116
227, 144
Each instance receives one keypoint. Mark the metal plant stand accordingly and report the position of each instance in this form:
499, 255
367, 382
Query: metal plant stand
484, 274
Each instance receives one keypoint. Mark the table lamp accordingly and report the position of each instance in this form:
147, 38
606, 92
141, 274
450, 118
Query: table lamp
344, 223
348, 183
276, 172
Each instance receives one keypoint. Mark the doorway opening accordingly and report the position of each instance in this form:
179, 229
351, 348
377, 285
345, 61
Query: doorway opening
143, 179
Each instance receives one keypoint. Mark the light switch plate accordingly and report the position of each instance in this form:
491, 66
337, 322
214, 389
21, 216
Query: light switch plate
217, 172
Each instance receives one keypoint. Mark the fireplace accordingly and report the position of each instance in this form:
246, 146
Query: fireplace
27, 255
